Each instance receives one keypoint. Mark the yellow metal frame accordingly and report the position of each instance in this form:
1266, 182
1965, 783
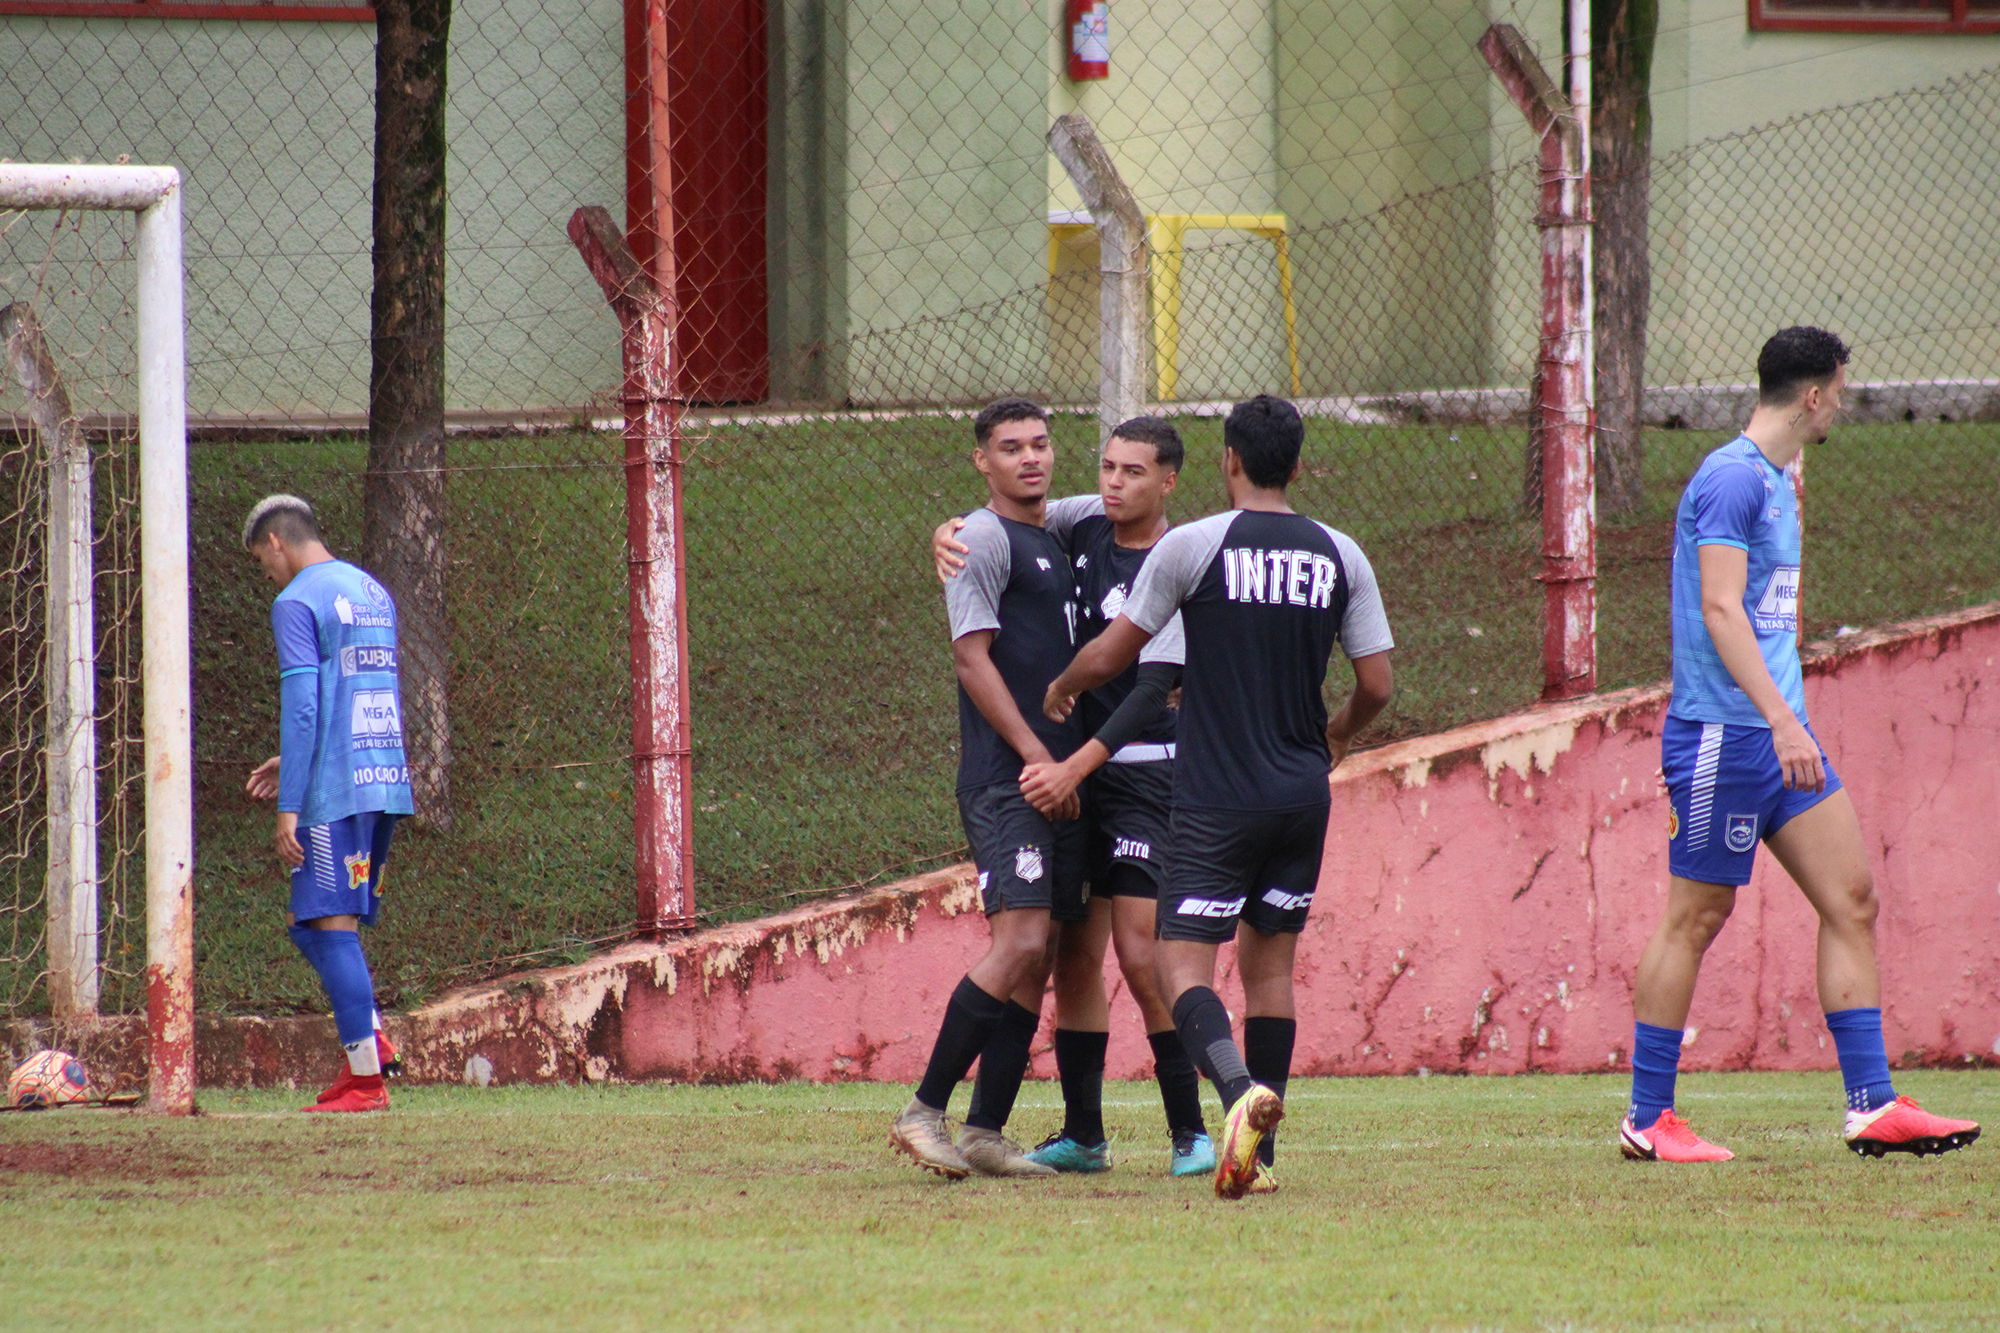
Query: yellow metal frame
1166, 235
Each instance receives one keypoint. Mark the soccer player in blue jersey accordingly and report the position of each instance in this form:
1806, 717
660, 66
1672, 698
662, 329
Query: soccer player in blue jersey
340, 775
1743, 767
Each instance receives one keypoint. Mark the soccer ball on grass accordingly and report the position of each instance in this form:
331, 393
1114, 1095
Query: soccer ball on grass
47, 1079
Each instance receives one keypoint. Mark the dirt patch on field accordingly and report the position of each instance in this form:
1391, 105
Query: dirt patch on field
138, 1161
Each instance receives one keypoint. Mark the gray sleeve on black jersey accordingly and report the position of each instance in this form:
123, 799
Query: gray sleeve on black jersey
1364, 629
972, 598
1060, 517
1169, 645
1173, 571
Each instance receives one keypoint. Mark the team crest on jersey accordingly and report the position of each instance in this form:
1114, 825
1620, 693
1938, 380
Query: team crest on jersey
376, 592
1741, 833
1673, 823
1028, 864
1114, 602
357, 870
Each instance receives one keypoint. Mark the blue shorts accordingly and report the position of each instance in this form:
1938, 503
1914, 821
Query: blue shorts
342, 875
1728, 793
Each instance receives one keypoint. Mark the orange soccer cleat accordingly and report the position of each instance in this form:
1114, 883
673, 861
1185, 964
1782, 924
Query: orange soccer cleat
1904, 1126
1668, 1139
364, 1092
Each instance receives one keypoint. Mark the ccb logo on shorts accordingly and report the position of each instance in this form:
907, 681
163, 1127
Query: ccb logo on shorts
1741, 834
1028, 864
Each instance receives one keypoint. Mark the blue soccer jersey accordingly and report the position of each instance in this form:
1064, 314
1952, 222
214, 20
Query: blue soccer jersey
1737, 499
338, 624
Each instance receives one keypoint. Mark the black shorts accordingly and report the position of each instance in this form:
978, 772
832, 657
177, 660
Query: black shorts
1231, 864
1025, 860
1130, 806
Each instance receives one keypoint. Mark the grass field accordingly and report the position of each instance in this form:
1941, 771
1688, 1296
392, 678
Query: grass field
1413, 1203
824, 723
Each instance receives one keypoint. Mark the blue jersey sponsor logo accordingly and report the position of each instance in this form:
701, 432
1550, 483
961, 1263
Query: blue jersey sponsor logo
377, 722
389, 775
1777, 611
358, 658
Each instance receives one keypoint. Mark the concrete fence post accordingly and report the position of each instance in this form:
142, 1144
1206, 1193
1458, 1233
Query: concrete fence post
1121, 250
1562, 413
71, 674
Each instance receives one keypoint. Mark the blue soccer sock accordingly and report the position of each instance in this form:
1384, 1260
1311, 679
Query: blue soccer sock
1656, 1062
1864, 1062
343, 969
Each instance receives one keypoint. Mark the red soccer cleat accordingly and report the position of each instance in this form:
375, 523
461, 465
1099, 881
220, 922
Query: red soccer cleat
1668, 1139
364, 1092
1904, 1126
340, 1086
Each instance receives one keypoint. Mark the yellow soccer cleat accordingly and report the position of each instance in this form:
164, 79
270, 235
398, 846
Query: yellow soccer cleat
1256, 1113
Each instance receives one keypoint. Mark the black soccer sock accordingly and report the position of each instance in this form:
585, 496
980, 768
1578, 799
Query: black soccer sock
1267, 1054
1002, 1066
969, 1021
1080, 1066
1204, 1027
1180, 1086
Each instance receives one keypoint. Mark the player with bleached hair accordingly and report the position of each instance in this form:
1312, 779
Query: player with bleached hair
340, 776
1743, 767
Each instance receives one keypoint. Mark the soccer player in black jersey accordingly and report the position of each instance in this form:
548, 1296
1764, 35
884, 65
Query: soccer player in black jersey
1128, 765
1264, 595
1013, 624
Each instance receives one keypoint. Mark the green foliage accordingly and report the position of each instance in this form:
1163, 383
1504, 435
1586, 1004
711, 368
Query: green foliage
1439, 1203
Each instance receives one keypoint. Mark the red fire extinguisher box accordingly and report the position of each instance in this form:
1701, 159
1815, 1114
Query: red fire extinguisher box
1089, 23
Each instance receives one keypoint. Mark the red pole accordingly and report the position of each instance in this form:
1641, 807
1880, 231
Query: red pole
661, 758
640, 283
1564, 410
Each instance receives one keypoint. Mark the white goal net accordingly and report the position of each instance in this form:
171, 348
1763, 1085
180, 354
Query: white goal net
95, 795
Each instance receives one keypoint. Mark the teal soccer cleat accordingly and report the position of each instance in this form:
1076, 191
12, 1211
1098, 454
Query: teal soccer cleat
1069, 1156
1194, 1155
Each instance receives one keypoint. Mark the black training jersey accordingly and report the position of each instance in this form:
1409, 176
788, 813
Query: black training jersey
1263, 599
1105, 573
1016, 582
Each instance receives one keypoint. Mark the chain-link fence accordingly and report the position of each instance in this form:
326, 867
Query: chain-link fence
872, 238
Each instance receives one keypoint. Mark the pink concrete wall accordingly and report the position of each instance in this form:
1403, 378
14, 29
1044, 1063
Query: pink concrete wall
1485, 897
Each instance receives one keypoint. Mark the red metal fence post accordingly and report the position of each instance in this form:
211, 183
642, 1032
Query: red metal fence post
661, 759
639, 281
1564, 410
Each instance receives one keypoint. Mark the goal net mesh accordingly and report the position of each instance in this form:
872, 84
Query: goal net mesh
75, 272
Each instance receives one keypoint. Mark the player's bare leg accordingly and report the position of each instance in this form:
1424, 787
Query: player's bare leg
1083, 1025
1663, 987
1187, 974
1821, 849
1192, 1153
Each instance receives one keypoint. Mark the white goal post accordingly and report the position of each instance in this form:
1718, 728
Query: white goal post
154, 194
